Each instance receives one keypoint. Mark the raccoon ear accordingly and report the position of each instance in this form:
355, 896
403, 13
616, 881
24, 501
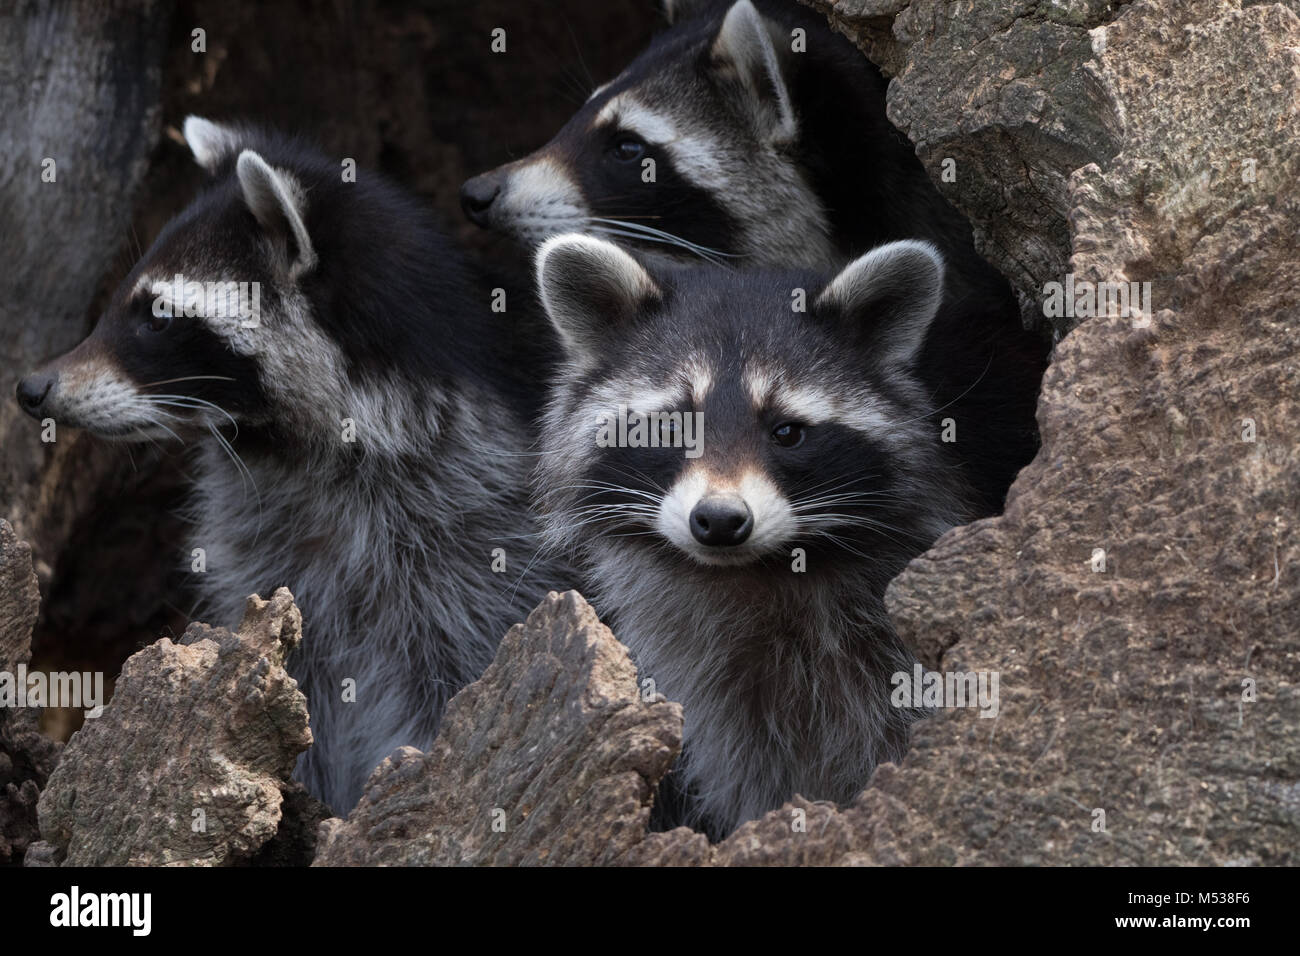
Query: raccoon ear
276, 201
888, 298
587, 287
744, 49
210, 142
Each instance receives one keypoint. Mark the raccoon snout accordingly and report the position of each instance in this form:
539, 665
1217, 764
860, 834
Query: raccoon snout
478, 194
33, 390
721, 522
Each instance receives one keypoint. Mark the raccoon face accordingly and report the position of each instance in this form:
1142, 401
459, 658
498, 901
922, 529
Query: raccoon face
181, 343
689, 153
699, 414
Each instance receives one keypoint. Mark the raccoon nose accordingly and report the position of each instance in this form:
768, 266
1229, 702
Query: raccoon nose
721, 522
477, 195
32, 391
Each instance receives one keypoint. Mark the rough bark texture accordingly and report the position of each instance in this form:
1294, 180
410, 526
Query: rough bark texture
188, 762
550, 758
26, 756
1002, 89
1123, 689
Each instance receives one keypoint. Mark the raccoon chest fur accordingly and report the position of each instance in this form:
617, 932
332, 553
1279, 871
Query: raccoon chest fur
391, 563
784, 686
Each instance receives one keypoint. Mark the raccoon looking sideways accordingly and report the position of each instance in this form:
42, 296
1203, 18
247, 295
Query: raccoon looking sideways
359, 439
748, 580
761, 156
759, 153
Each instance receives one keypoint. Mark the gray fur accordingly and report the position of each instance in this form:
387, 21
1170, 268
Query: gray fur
783, 677
729, 131
382, 552
375, 485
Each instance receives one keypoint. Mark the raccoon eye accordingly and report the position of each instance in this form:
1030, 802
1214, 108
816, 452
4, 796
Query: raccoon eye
628, 150
158, 323
788, 434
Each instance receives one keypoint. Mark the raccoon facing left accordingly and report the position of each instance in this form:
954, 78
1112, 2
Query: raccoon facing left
738, 482
360, 429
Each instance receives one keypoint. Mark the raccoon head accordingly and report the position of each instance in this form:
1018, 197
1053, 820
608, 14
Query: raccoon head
690, 152
703, 413
181, 342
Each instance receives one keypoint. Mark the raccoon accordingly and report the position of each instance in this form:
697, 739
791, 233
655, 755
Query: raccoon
775, 470
360, 432
732, 137
764, 155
